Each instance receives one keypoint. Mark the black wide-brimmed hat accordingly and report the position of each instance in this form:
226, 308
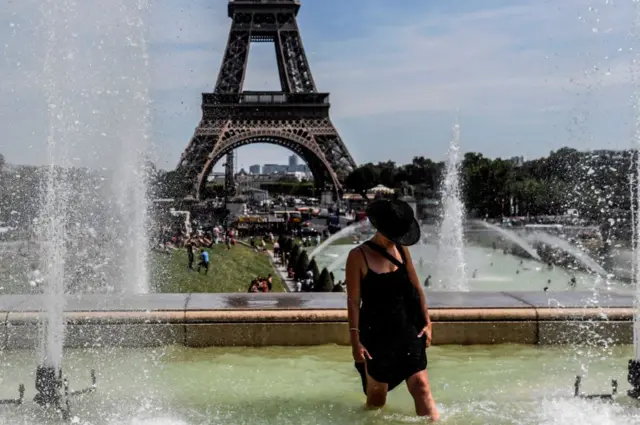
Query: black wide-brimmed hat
395, 220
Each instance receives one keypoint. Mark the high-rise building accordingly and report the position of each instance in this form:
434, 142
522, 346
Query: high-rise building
254, 169
293, 162
274, 168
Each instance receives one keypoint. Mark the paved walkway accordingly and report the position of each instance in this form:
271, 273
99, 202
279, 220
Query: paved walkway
289, 284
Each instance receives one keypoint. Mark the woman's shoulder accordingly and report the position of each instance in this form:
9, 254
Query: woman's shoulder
355, 253
358, 249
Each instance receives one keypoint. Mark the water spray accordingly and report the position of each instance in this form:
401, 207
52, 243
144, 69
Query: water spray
577, 393
52, 391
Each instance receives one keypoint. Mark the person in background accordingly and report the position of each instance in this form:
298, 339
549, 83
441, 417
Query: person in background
254, 287
270, 282
389, 322
204, 261
276, 250
262, 284
427, 281
190, 254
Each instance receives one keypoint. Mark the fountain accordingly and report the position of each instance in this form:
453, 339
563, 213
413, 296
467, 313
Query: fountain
451, 272
578, 254
633, 365
633, 376
341, 260
347, 231
73, 202
511, 236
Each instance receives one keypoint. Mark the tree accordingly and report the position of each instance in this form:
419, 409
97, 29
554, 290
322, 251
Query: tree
338, 288
324, 282
302, 265
2, 163
313, 266
293, 257
363, 178
287, 243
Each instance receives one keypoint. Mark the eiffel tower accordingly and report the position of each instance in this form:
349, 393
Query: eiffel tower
297, 117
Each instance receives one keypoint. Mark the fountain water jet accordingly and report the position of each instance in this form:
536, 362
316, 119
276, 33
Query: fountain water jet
131, 187
633, 376
578, 254
63, 125
451, 273
512, 236
69, 208
347, 231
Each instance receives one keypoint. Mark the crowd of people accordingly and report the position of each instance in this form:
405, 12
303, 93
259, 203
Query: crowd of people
171, 239
261, 284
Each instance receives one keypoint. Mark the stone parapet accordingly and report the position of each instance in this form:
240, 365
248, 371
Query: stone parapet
201, 320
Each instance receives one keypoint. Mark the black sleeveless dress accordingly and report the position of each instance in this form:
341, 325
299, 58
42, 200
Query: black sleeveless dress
390, 320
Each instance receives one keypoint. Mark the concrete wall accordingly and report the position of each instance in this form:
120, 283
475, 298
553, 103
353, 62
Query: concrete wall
202, 320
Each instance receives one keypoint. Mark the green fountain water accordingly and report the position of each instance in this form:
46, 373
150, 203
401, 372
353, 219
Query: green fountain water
505, 384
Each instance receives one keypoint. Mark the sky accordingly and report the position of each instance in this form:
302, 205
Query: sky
520, 77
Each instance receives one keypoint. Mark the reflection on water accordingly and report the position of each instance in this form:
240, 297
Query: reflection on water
505, 384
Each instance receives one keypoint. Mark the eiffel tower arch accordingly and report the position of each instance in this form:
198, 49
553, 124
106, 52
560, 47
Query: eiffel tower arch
297, 117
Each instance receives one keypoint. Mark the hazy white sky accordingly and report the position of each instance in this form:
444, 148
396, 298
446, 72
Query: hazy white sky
522, 77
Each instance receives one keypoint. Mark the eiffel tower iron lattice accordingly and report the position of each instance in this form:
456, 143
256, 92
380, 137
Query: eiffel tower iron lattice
297, 117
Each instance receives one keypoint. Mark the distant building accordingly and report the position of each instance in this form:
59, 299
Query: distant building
293, 162
300, 175
255, 169
274, 169
256, 195
517, 161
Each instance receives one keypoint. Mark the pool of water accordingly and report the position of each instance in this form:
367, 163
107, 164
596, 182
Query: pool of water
488, 270
496, 385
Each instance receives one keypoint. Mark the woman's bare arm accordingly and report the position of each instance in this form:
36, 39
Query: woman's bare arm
416, 283
353, 277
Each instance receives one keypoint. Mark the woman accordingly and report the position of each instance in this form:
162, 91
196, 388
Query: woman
388, 316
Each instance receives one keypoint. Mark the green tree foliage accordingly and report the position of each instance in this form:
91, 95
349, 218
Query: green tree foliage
338, 288
294, 254
313, 266
423, 174
596, 184
287, 244
289, 188
295, 250
324, 283
302, 265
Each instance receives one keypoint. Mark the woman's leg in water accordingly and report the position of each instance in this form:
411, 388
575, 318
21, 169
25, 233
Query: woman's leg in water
376, 393
418, 385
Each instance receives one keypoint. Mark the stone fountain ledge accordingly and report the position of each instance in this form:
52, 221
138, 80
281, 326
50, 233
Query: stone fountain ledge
202, 320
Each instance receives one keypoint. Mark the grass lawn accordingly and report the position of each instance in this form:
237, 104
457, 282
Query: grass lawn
229, 271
